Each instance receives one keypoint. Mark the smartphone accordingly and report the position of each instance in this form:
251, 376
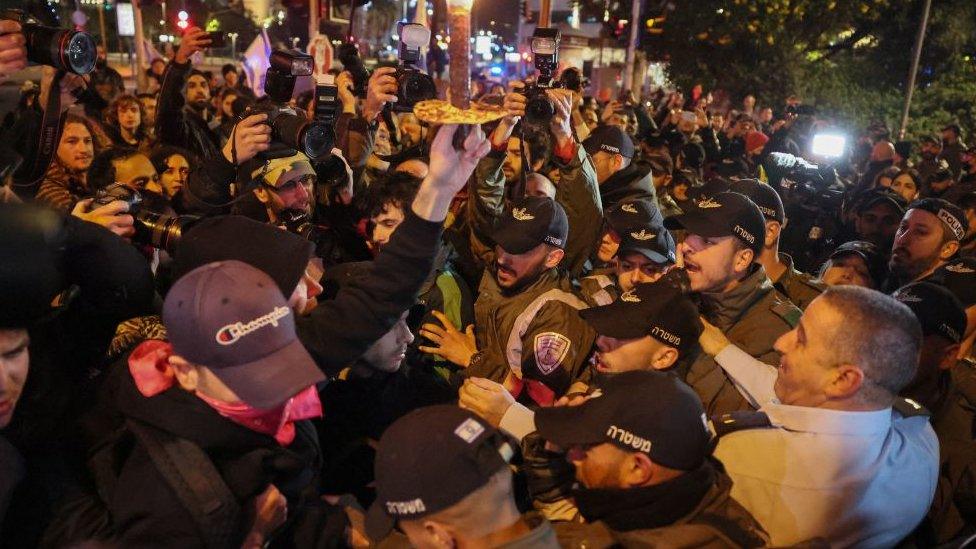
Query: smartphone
217, 39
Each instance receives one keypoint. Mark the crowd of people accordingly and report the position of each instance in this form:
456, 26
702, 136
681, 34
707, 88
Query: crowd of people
642, 322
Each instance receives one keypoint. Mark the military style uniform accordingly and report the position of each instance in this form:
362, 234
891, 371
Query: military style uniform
718, 521
752, 316
536, 335
801, 288
599, 287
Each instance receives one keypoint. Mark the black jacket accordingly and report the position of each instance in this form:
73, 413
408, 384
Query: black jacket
113, 283
144, 510
631, 183
176, 123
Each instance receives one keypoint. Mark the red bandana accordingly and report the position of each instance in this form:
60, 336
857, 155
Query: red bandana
149, 366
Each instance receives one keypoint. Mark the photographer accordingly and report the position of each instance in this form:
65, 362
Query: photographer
62, 346
182, 115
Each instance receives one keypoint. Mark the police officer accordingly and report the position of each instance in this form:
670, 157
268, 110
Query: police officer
856, 263
641, 249
442, 477
948, 390
527, 333
926, 248
648, 328
725, 237
801, 288
641, 453
620, 178
833, 452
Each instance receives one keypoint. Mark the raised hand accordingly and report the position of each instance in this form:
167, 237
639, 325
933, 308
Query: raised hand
194, 39
251, 136
381, 89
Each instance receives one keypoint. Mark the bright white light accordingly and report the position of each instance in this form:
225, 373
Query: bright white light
829, 145
182, 15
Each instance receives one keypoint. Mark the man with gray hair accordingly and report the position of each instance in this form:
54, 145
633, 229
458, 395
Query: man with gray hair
832, 452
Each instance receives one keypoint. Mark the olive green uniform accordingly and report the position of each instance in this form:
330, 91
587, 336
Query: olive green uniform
799, 287
752, 315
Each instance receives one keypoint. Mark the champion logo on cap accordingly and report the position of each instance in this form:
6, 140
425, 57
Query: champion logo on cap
230, 333
744, 234
954, 225
907, 297
629, 208
630, 439
522, 215
666, 336
960, 268
642, 235
610, 148
630, 297
709, 203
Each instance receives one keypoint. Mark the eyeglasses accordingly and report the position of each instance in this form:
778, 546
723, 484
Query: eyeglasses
307, 180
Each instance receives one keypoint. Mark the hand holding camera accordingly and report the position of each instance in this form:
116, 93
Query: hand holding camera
113, 216
194, 39
13, 48
561, 123
251, 136
382, 89
347, 95
514, 105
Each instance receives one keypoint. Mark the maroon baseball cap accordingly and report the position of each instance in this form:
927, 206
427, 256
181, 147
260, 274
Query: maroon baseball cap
231, 318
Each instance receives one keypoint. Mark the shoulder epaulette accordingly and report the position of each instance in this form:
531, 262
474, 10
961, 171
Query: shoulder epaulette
910, 408
788, 312
737, 421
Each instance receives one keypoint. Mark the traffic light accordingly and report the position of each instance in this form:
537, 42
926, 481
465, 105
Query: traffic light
654, 25
183, 20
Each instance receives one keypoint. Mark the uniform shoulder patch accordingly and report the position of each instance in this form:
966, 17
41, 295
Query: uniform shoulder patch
910, 408
788, 312
550, 350
738, 421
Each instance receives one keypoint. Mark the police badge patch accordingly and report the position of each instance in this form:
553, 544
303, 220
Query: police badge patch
550, 351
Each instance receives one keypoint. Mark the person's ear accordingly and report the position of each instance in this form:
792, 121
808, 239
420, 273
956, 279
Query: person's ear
438, 535
554, 257
948, 250
263, 195
773, 229
664, 358
618, 162
186, 374
846, 381
638, 470
743, 260
949, 357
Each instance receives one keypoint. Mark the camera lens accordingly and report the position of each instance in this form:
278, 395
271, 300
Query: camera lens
317, 140
417, 87
60, 48
540, 108
164, 231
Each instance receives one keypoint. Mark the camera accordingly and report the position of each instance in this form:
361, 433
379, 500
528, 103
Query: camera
155, 229
63, 49
299, 222
348, 55
290, 127
413, 85
545, 52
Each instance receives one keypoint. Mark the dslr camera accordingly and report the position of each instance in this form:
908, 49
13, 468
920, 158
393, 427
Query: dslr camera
545, 52
64, 49
413, 85
289, 126
154, 229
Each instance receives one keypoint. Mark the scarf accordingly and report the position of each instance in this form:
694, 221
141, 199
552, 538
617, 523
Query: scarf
150, 369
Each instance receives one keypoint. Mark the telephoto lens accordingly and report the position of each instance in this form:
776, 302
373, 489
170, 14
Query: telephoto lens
314, 138
62, 49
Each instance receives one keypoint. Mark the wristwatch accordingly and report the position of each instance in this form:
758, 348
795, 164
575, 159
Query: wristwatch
477, 360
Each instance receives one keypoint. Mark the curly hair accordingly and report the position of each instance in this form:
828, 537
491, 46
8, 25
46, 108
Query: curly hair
393, 188
124, 100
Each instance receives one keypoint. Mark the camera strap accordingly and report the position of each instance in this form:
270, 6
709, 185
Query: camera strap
51, 124
526, 168
387, 114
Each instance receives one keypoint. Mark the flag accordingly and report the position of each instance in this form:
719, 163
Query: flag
256, 62
149, 52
